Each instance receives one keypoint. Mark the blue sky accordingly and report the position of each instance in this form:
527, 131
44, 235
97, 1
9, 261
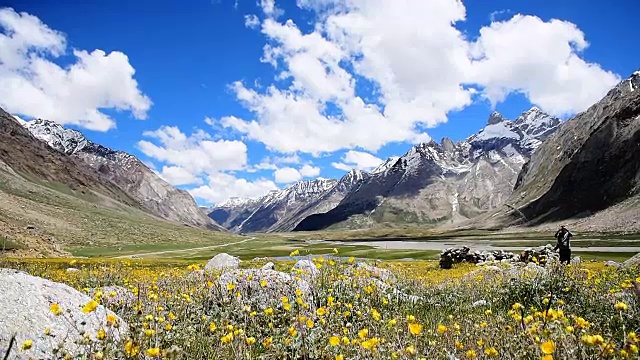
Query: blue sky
208, 123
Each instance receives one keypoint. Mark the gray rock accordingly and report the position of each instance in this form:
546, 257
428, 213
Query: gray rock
25, 311
576, 260
479, 303
249, 283
269, 266
306, 267
222, 261
633, 262
612, 264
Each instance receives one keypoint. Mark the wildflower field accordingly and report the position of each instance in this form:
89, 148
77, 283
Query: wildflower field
174, 310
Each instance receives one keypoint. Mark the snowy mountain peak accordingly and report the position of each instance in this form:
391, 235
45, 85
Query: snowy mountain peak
234, 202
307, 187
495, 118
386, 165
64, 140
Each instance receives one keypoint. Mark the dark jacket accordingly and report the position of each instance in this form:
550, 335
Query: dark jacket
564, 239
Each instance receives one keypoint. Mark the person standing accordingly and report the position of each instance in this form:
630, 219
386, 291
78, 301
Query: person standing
563, 235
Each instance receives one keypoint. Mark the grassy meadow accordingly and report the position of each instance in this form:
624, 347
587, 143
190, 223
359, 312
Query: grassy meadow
586, 311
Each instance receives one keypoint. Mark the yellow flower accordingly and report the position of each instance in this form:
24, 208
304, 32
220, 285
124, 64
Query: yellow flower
101, 334
491, 352
547, 357
293, 332
112, 319
393, 322
362, 334
55, 309
27, 344
90, 306
339, 357
335, 251
149, 332
251, 340
267, 342
294, 253
410, 350
231, 286
442, 329
309, 323
621, 306
130, 349
471, 354
168, 327
268, 311
264, 283
548, 347
488, 312
321, 311
369, 344
334, 341
415, 329
212, 326
227, 338
153, 352
286, 307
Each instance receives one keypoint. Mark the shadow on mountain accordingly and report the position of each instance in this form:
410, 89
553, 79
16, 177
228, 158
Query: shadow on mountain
603, 172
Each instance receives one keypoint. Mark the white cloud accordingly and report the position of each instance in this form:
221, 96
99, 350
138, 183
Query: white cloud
34, 86
270, 9
287, 175
358, 160
195, 154
420, 66
309, 171
251, 21
176, 175
509, 52
221, 187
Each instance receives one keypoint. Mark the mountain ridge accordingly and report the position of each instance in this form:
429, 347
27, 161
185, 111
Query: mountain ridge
462, 173
126, 171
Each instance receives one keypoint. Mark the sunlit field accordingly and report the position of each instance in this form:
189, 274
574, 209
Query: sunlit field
176, 311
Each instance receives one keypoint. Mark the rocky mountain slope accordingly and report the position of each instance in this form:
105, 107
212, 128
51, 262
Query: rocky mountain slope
589, 165
23, 155
126, 171
444, 182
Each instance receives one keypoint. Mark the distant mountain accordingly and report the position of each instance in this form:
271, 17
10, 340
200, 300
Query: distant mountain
126, 171
587, 172
432, 183
443, 182
277, 210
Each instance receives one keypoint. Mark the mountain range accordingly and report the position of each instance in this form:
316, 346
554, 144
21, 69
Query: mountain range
432, 183
125, 171
531, 171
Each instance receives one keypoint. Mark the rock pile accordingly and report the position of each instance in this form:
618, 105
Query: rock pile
452, 256
540, 254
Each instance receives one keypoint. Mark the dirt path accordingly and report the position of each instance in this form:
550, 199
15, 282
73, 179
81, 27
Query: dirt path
147, 254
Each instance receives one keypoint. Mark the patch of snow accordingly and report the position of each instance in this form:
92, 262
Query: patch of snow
386, 165
455, 204
513, 154
499, 130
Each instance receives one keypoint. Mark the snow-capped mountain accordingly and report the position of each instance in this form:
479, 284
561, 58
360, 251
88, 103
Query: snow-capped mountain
443, 182
431, 183
126, 171
282, 210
